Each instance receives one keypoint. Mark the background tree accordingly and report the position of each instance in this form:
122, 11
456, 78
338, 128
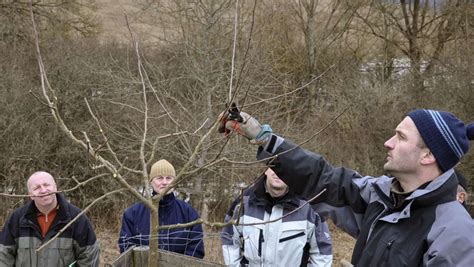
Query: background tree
419, 30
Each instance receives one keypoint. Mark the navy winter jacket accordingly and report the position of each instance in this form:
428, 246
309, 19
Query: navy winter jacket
136, 227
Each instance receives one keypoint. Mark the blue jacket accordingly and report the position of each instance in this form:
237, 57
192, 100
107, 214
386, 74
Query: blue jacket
136, 227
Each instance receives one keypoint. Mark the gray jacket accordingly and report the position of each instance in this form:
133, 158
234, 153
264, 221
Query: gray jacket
299, 238
21, 236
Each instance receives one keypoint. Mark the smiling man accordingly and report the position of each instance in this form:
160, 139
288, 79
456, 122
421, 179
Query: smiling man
409, 218
40, 220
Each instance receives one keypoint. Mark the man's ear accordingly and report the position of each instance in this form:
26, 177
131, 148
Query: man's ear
427, 157
461, 196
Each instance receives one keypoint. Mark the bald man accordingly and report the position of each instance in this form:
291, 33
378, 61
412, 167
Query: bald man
39, 221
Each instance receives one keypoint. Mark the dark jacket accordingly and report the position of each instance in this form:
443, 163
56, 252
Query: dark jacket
298, 238
430, 229
136, 227
21, 236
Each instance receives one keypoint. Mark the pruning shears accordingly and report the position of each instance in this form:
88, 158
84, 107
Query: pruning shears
233, 114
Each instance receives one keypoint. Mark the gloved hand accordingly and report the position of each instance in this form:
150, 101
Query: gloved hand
250, 128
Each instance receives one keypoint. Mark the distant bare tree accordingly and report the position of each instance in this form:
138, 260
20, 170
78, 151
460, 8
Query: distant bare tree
60, 17
420, 30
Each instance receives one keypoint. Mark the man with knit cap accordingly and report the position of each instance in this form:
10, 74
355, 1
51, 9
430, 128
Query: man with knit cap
408, 218
135, 229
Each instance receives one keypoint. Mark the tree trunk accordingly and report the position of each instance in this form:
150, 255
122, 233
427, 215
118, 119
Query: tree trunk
153, 255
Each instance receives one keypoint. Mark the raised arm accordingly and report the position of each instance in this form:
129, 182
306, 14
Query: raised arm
307, 173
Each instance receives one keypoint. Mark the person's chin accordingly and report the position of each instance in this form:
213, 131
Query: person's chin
44, 202
43, 199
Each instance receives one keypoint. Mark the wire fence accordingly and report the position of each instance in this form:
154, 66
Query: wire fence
186, 242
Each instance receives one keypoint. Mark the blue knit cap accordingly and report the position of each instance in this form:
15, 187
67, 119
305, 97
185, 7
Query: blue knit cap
444, 134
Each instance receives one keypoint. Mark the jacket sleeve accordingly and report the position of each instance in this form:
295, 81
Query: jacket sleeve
8, 246
451, 239
195, 246
341, 216
320, 252
230, 237
126, 231
86, 247
307, 174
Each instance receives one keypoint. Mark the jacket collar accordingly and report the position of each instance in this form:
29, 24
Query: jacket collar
442, 189
166, 199
63, 215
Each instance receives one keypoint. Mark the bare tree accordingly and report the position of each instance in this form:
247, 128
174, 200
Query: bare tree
418, 29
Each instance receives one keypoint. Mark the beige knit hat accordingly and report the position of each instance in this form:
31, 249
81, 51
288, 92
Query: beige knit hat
163, 168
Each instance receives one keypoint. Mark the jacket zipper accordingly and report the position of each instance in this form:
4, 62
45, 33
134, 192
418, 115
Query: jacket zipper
291, 237
260, 241
385, 209
372, 226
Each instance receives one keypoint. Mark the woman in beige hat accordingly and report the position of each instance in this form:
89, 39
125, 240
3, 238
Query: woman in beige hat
135, 229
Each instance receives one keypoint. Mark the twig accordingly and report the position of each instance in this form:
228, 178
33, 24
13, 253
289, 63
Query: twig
77, 217
244, 59
234, 222
102, 132
202, 125
236, 19
288, 214
46, 90
179, 176
79, 184
224, 159
145, 102
294, 91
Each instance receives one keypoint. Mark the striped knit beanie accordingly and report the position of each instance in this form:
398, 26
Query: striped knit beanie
445, 135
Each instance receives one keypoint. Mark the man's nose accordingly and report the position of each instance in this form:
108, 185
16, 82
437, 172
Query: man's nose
43, 190
389, 143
